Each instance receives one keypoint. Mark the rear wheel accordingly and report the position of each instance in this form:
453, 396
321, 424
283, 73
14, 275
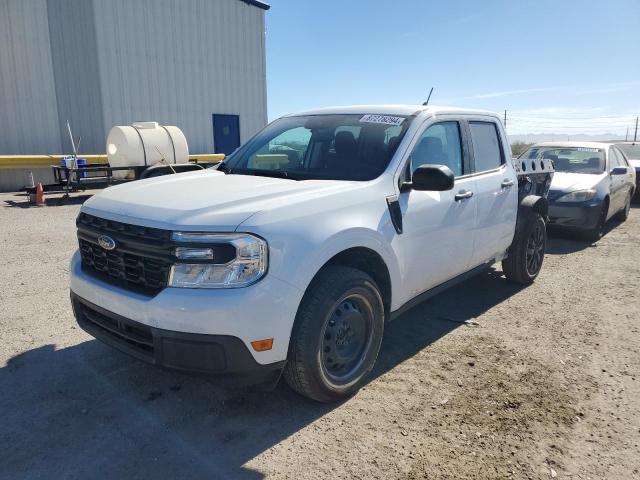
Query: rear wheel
597, 232
624, 213
336, 336
526, 253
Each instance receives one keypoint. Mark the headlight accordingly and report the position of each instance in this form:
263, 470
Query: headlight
201, 269
578, 196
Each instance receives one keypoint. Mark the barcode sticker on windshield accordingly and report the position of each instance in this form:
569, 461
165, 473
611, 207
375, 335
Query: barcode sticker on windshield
383, 119
587, 149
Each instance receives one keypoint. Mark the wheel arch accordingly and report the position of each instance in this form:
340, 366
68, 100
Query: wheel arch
534, 203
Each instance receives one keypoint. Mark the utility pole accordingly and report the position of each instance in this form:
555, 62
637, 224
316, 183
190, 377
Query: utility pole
626, 136
505, 119
635, 135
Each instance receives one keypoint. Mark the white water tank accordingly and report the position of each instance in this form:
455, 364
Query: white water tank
144, 144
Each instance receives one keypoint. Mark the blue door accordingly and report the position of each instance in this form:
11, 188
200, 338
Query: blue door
226, 133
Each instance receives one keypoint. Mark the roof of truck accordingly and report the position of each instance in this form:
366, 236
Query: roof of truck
573, 144
393, 110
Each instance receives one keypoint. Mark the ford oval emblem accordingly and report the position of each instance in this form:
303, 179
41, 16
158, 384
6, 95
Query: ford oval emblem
106, 242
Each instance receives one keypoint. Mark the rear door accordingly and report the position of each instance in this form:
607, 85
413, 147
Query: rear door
437, 240
496, 190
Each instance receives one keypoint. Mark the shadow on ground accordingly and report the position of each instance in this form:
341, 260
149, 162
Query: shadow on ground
50, 201
88, 411
561, 241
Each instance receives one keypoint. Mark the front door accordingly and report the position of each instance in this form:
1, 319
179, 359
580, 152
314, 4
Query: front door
437, 239
226, 133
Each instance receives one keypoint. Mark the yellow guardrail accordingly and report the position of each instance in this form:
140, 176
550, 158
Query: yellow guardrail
16, 162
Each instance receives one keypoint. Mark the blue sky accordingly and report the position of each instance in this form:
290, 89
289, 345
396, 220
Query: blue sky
570, 66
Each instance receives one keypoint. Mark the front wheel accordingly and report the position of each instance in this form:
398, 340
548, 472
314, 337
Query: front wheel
597, 232
624, 213
336, 336
526, 253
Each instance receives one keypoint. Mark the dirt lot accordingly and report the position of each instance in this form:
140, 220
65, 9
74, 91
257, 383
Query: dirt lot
546, 385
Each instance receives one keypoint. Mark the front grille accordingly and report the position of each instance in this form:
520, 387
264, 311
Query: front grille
140, 262
133, 231
139, 273
135, 336
142, 257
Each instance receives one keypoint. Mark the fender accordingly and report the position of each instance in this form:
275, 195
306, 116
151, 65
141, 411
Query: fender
345, 240
528, 205
533, 203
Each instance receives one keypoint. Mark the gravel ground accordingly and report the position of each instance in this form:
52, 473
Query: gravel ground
545, 385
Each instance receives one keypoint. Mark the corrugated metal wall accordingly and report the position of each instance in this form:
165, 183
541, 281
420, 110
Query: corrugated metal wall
28, 110
76, 73
180, 61
118, 61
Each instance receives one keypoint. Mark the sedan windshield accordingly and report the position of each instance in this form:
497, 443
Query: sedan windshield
570, 159
336, 147
632, 151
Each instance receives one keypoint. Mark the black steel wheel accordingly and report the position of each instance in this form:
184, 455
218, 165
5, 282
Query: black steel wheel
336, 335
346, 337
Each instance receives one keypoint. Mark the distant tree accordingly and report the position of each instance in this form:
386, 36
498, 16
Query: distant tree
518, 148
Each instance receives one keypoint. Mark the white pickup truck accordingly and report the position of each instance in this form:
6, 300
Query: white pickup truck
293, 253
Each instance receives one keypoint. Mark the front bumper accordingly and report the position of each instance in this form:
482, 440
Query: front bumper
186, 352
266, 309
578, 215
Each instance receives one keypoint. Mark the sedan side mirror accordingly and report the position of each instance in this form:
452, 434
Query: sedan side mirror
432, 178
619, 171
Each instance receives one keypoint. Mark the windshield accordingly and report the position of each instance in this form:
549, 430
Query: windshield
632, 151
336, 147
571, 159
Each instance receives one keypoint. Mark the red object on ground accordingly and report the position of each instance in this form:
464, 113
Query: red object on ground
39, 195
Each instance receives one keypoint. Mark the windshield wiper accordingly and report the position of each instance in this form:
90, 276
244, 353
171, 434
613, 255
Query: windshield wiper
272, 173
223, 167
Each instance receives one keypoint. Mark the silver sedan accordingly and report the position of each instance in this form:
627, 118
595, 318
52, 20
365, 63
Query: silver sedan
593, 182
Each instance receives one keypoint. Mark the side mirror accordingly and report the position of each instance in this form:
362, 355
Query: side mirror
619, 171
432, 178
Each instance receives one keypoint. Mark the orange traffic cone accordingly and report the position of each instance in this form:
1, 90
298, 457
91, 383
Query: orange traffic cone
39, 195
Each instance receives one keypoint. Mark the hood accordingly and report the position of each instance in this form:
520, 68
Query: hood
568, 182
202, 200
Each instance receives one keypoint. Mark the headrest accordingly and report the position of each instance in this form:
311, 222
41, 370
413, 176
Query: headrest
345, 142
429, 149
594, 162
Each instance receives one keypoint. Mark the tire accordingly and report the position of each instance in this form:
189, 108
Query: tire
526, 253
623, 214
597, 232
336, 335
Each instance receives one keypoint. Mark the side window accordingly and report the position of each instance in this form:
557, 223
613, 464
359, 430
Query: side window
439, 145
614, 159
487, 151
622, 157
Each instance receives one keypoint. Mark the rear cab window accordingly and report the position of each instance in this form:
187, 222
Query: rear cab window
486, 146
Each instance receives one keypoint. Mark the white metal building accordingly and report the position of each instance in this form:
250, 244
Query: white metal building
100, 63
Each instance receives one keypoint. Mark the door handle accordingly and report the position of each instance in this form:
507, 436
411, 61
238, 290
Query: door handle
463, 195
507, 182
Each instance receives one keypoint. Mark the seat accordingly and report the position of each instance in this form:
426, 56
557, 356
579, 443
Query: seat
593, 162
429, 150
346, 147
562, 164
